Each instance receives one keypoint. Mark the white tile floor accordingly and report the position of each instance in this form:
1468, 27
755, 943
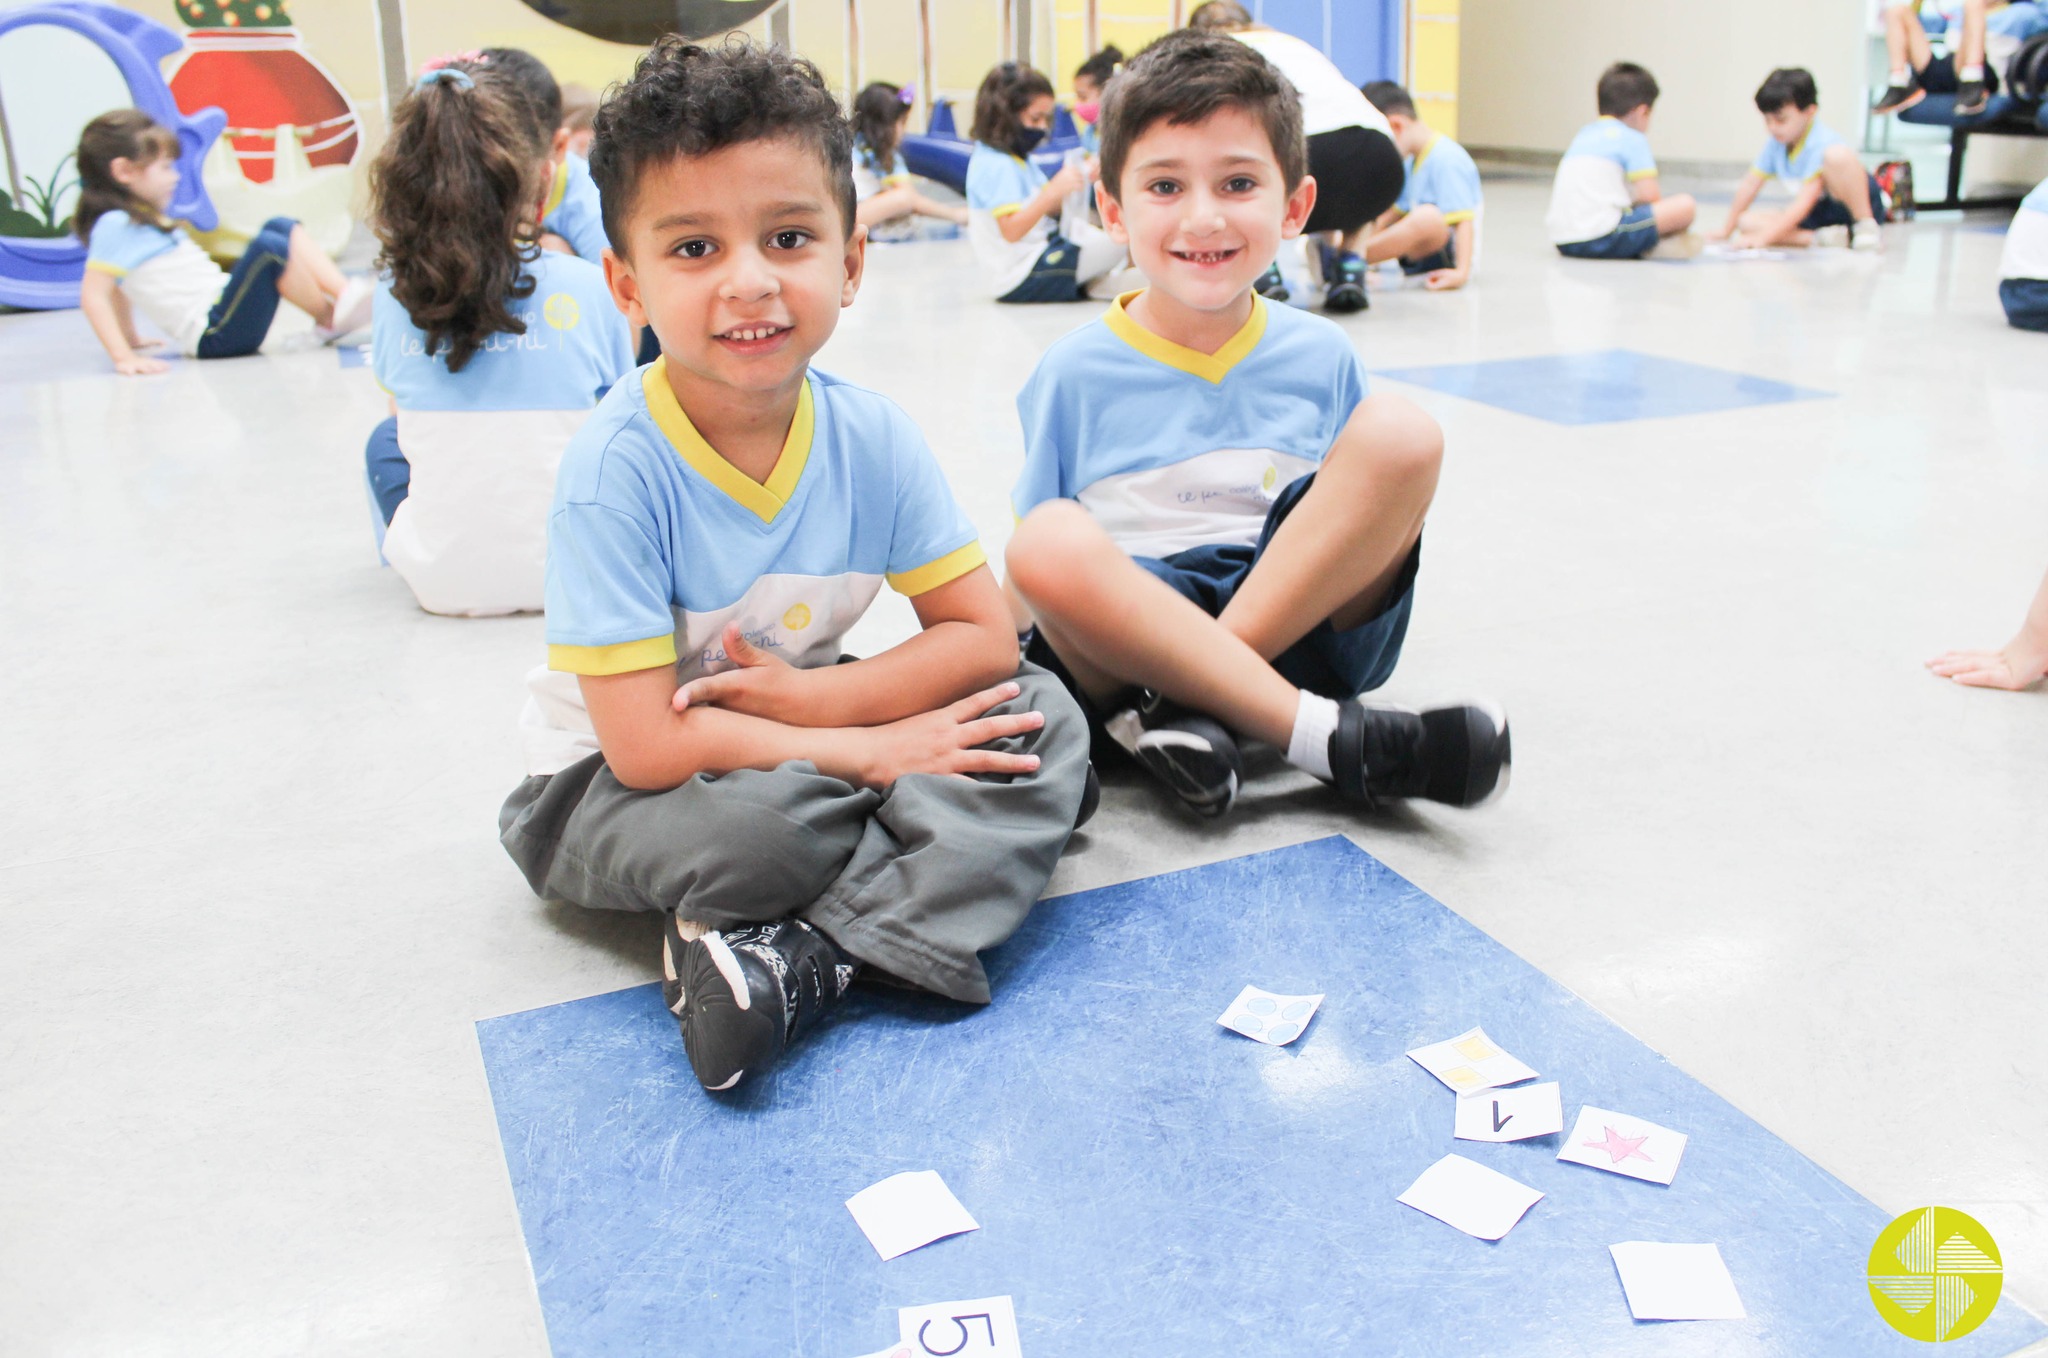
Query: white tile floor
251, 902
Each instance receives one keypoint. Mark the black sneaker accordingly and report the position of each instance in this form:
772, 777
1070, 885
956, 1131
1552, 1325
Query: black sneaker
1971, 98
1896, 97
1192, 754
1271, 286
743, 996
1456, 755
1346, 291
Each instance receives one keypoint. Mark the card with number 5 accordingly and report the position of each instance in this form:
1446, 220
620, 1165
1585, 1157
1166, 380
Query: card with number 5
960, 1329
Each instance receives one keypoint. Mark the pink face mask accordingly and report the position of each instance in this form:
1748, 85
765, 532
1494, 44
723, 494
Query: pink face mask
1089, 111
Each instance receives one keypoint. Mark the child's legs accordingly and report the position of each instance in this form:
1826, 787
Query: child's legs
1905, 41
1338, 552
1421, 232
240, 320
949, 866
886, 206
1970, 50
310, 281
1845, 180
390, 474
1674, 213
1115, 624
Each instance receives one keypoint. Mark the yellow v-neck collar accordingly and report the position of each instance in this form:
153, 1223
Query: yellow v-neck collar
764, 501
1792, 151
1211, 368
1423, 154
557, 191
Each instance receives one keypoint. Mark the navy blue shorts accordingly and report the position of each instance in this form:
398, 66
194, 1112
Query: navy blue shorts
1832, 211
241, 318
1446, 258
1326, 661
1052, 275
2025, 301
1634, 237
1939, 75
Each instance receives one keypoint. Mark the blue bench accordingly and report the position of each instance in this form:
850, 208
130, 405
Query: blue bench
2003, 116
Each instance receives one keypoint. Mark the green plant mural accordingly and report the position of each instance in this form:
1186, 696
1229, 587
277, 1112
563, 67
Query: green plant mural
35, 214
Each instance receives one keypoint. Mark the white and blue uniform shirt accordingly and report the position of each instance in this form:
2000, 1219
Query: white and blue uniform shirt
1442, 173
656, 542
471, 535
168, 277
1594, 185
871, 176
998, 184
573, 210
2026, 240
1796, 165
1169, 448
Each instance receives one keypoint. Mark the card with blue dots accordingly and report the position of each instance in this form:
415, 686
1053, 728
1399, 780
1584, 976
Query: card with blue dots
1262, 1016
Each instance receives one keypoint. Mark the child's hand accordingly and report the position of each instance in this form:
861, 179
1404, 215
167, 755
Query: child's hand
1070, 179
146, 344
1725, 231
764, 685
945, 741
1443, 280
2014, 667
135, 365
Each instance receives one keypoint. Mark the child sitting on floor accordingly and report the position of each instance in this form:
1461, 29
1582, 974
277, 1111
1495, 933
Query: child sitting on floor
1434, 228
1012, 204
697, 749
1605, 202
880, 178
136, 257
1220, 529
1835, 201
493, 350
2023, 267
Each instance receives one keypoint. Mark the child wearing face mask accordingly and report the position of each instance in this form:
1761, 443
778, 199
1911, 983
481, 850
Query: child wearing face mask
1089, 79
1012, 205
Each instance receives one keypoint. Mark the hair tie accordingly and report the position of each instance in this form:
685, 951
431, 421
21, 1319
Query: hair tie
454, 75
907, 95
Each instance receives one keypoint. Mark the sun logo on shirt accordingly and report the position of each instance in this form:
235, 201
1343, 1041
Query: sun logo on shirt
798, 617
561, 311
1270, 480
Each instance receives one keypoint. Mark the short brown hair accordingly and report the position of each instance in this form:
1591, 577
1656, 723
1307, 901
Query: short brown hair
1186, 76
1225, 16
1625, 87
124, 134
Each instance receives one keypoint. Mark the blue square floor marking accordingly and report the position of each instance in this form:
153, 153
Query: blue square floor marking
1148, 1183
1603, 387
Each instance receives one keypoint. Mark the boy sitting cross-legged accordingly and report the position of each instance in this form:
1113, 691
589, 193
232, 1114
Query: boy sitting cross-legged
1213, 510
719, 522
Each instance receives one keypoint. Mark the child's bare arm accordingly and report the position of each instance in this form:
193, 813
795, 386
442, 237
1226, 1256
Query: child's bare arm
967, 643
1464, 242
125, 314
97, 298
1645, 189
2017, 664
1014, 225
1786, 224
1745, 194
652, 747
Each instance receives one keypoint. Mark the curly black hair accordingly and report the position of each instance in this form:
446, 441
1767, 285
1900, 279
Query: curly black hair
689, 100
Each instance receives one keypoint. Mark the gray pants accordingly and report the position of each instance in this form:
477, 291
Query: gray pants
916, 880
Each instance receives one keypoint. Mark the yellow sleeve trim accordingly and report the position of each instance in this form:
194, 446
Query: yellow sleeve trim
944, 571
1005, 210
623, 658
101, 266
1642, 174
1453, 218
558, 189
896, 179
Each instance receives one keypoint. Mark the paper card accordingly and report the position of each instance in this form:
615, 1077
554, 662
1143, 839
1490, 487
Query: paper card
1470, 1060
961, 1329
1622, 1144
1265, 1017
1466, 1194
1509, 1114
908, 1211
1720, 249
1676, 1282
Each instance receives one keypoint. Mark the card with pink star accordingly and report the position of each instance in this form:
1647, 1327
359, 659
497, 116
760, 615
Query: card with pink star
1621, 1144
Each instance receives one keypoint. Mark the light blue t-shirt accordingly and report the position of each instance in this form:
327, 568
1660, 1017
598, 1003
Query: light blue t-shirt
120, 244
574, 211
1442, 173
870, 175
575, 348
2018, 21
163, 272
2026, 240
999, 183
655, 541
1592, 190
1169, 448
1799, 162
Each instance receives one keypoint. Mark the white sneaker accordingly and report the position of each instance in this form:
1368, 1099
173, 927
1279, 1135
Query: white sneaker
1866, 235
351, 309
1830, 237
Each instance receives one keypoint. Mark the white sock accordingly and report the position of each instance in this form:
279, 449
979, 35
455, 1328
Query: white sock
1970, 72
1315, 721
1899, 77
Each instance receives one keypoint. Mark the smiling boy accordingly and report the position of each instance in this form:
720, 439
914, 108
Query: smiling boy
1220, 529
718, 524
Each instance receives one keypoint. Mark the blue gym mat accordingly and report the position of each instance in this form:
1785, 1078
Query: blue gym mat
1148, 1183
1603, 387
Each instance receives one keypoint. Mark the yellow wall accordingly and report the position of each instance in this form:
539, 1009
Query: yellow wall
1433, 36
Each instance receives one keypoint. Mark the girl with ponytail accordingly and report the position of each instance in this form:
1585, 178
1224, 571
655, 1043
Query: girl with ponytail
492, 350
881, 180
